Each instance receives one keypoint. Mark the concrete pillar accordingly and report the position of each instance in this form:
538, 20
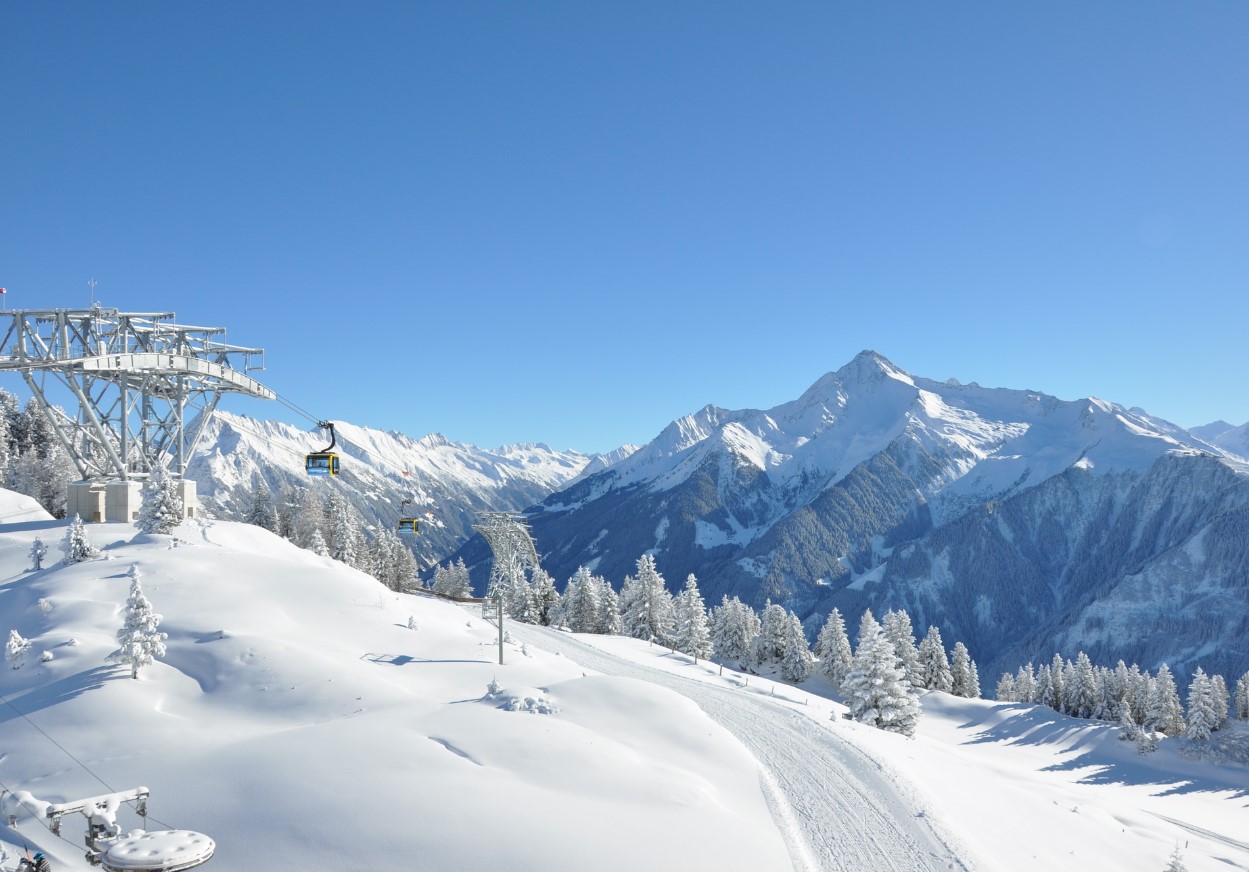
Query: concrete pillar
122, 500
186, 490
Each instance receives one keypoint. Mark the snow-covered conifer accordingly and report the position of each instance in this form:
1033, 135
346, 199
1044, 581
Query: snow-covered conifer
832, 647
1044, 688
646, 606
1202, 717
934, 667
1242, 697
1058, 683
15, 649
608, 608
316, 544
1080, 687
140, 639
734, 626
1025, 684
342, 538
546, 597
1165, 713
796, 660
965, 680
692, 632
76, 545
38, 551
770, 643
1218, 690
1005, 691
898, 630
162, 509
876, 689
261, 512
1175, 863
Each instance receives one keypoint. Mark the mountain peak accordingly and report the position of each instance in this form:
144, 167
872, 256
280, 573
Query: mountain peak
868, 365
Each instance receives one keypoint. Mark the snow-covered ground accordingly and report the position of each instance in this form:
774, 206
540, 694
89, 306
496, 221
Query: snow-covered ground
298, 721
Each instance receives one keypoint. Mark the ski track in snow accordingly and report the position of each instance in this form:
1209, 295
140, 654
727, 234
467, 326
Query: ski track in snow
834, 806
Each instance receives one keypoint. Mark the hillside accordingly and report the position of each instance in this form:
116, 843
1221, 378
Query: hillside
298, 721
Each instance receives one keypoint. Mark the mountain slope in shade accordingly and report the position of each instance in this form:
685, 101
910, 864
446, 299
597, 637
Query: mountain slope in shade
873, 484
451, 480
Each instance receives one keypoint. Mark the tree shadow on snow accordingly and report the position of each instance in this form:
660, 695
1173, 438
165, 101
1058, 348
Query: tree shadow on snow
405, 659
57, 692
1093, 749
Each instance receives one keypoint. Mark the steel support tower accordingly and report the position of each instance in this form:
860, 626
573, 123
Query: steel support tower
508, 537
134, 375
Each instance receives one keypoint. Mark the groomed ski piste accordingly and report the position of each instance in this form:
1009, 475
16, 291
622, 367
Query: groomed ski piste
299, 721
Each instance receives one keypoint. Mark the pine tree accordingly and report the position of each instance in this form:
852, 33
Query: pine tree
734, 626
1165, 714
261, 512
964, 678
770, 643
76, 545
545, 595
1202, 717
38, 551
309, 518
934, 668
609, 608
1218, 690
1081, 688
162, 508
876, 690
1058, 684
1242, 697
140, 639
832, 647
1175, 863
342, 538
898, 630
16, 648
796, 660
1005, 691
1025, 684
646, 606
316, 544
692, 632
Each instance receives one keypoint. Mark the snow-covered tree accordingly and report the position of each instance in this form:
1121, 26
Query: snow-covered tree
770, 643
734, 626
162, 508
646, 607
1242, 697
1165, 713
692, 632
1175, 863
38, 551
832, 647
316, 544
545, 595
453, 579
898, 630
1218, 690
309, 518
1202, 717
1025, 684
140, 639
1080, 688
343, 535
262, 512
76, 545
608, 608
934, 667
1005, 690
876, 689
796, 660
15, 649
963, 674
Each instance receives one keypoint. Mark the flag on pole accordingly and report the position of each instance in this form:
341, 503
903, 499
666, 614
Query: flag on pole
3, 291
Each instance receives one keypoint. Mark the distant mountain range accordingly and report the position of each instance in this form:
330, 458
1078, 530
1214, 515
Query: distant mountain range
1017, 522
450, 482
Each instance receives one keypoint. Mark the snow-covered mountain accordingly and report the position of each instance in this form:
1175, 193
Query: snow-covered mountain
1226, 437
451, 481
868, 488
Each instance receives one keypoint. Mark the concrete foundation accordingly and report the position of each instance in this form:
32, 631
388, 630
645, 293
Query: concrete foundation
86, 500
122, 500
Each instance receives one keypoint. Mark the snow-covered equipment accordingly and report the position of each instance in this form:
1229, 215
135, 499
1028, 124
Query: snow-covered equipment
325, 461
138, 850
408, 526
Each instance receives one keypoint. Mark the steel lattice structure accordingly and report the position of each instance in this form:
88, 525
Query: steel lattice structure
133, 375
508, 537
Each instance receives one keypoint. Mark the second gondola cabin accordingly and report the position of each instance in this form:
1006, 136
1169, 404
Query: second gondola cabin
408, 527
321, 463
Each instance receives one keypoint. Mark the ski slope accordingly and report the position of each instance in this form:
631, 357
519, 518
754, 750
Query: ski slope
299, 722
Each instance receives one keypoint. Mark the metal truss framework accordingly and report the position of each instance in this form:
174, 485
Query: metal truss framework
134, 374
508, 537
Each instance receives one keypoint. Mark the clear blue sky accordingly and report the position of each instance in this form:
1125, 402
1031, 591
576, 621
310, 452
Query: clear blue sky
573, 222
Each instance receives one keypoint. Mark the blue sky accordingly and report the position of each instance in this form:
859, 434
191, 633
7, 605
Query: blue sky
574, 222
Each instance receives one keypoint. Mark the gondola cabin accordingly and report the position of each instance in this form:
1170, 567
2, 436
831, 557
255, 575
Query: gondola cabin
321, 463
408, 527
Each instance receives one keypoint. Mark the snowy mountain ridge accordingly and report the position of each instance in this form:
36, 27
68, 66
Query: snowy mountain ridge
451, 480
